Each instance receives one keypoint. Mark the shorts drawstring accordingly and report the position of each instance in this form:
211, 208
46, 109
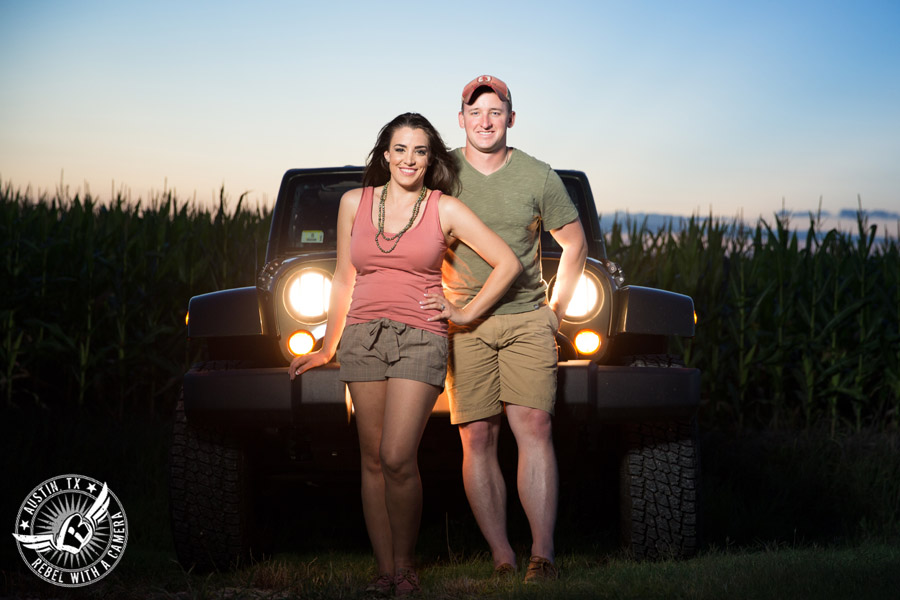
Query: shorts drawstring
373, 331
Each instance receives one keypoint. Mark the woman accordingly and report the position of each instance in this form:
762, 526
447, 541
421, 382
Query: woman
386, 302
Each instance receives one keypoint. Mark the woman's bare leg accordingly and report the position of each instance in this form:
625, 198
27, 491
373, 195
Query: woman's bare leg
408, 406
368, 403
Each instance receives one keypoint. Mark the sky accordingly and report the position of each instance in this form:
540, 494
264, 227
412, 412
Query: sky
675, 107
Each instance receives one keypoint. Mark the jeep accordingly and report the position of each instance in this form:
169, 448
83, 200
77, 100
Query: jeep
240, 418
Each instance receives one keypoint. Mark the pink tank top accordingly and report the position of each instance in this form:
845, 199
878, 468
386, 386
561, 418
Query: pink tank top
391, 285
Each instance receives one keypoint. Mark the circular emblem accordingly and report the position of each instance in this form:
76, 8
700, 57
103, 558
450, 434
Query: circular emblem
71, 530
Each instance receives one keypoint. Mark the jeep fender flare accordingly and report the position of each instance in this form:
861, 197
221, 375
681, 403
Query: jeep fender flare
649, 311
228, 313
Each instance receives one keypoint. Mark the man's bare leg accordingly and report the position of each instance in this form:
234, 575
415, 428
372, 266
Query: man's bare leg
485, 488
538, 474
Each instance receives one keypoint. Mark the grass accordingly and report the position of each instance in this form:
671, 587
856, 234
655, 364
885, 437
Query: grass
864, 571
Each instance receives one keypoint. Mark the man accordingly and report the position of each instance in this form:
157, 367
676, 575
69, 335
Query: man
508, 360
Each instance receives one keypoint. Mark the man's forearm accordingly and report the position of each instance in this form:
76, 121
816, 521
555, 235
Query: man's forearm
571, 264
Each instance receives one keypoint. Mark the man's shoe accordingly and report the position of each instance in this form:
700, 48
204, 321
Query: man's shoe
540, 569
382, 586
406, 582
504, 571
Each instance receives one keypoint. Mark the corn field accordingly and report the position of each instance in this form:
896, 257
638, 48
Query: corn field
95, 296
792, 334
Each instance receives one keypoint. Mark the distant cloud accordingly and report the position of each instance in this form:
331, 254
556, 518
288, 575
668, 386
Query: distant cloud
850, 213
655, 222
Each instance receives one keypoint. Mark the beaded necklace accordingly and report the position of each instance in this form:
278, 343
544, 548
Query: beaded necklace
395, 238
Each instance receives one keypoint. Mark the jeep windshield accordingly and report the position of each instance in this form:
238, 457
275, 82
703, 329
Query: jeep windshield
309, 223
313, 200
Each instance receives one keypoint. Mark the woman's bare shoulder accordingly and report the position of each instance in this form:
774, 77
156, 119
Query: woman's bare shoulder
352, 197
449, 201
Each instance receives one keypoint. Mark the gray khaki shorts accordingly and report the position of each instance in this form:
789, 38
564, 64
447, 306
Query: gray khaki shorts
504, 359
382, 349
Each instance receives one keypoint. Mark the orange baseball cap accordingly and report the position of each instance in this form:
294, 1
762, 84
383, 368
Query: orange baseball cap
489, 81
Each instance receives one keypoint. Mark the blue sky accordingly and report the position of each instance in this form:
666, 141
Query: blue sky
675, 107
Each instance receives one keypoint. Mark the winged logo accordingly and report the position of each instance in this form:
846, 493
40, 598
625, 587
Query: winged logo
76, 531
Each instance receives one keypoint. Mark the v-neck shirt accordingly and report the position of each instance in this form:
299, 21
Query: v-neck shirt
516, 201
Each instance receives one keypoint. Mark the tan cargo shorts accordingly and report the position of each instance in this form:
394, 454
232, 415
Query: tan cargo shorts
503, 359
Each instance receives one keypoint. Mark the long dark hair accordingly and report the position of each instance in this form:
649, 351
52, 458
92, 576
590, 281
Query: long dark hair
442, 173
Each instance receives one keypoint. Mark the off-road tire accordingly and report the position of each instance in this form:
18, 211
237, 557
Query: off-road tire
659, 483
210, 495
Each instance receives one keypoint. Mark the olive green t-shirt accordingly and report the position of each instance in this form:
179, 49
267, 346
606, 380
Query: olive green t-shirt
516, 202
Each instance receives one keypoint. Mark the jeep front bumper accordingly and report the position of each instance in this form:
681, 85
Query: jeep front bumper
264, 397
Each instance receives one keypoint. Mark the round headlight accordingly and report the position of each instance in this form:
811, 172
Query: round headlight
585, 299
306, 295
